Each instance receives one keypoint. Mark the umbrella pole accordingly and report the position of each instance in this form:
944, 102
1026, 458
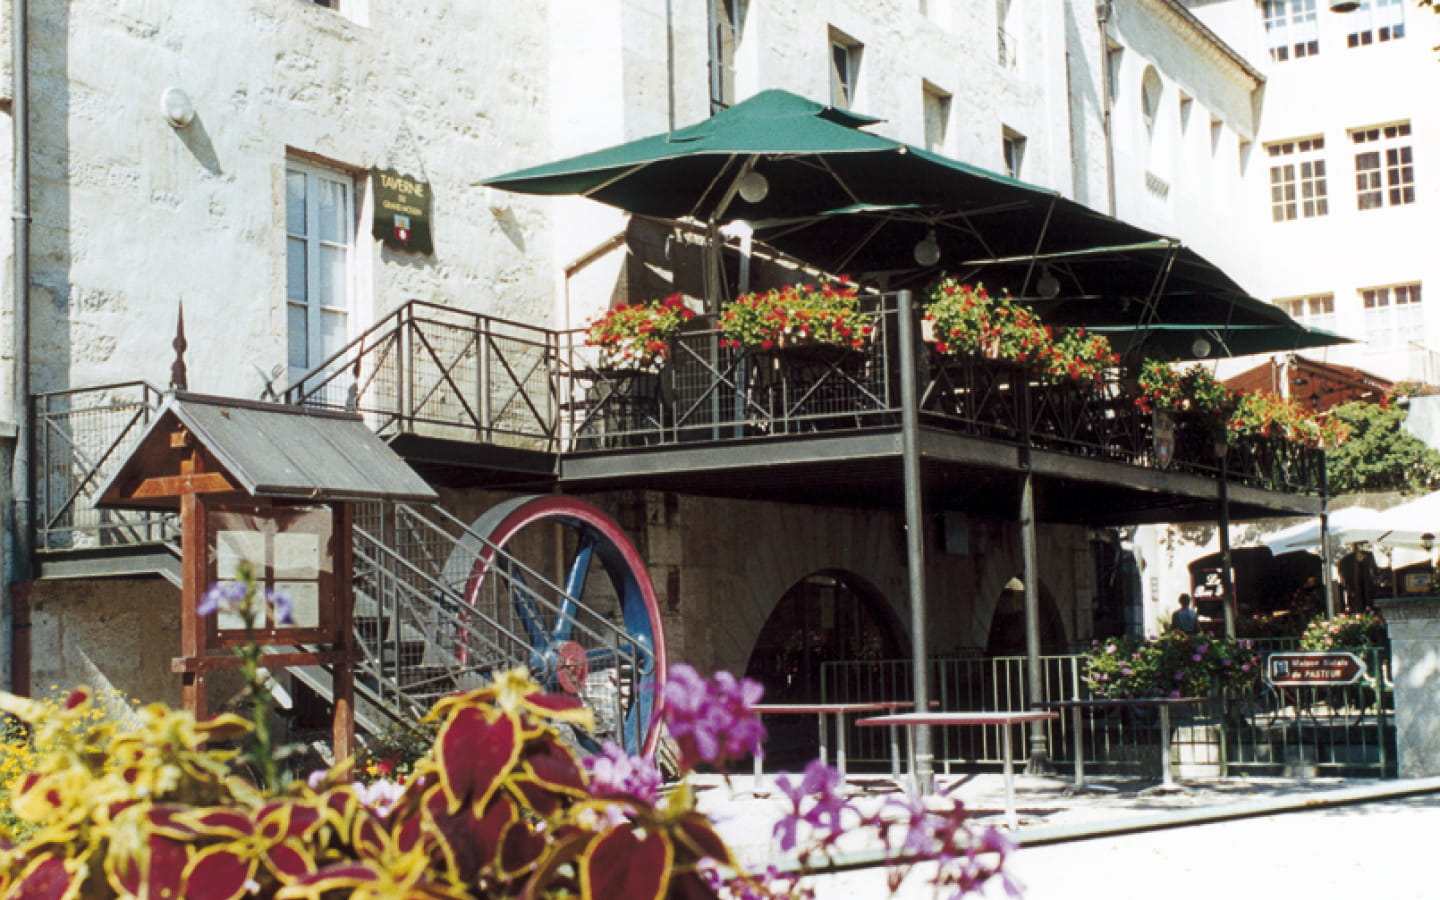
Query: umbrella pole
1327, 579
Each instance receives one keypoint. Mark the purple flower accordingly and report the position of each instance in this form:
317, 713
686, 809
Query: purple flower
614, 773
1175, 694
1197, 657
712, 721
380, 796
226, 595
817, 800
284, 607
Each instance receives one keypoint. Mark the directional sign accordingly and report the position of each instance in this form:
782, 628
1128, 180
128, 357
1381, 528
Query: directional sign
1314, 668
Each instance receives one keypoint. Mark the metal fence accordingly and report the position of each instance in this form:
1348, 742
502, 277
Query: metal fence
81, 439
444, 373
1347, 730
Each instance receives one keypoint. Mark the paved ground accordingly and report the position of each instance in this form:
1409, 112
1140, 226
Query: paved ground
1245, 837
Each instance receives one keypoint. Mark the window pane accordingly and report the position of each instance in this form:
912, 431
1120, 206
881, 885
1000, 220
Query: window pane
299, 336
332, 212
333, 333
295, 271
295, 202
332, 278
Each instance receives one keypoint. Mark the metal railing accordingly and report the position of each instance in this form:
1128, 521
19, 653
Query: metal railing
427, 625
439, 372
81, 439
1345, 730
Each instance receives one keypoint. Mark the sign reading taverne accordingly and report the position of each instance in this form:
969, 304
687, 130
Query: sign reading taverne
402, 211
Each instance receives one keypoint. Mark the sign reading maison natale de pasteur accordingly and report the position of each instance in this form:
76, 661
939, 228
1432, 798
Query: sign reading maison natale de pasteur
402, 211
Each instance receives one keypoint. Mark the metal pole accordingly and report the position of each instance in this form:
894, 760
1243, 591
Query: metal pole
1326, 578
1227, 583
19, 561
924, 766
1039, 763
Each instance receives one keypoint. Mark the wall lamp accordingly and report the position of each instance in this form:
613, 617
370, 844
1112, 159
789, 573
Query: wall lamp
175, 105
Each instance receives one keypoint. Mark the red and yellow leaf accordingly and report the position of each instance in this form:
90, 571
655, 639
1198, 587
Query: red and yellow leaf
217, 873
627, 864
475, 753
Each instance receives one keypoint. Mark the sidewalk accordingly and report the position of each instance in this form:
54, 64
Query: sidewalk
1047, 813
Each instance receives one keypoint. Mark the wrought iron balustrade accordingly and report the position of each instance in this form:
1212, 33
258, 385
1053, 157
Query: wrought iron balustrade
444, 373
81, 439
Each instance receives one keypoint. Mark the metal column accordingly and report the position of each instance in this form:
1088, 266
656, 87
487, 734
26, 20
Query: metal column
924, 765
1039, 763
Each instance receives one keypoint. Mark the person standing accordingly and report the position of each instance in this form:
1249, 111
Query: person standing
1184, 618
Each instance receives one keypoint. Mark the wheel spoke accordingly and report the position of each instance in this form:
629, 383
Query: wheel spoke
523, 599
575, 583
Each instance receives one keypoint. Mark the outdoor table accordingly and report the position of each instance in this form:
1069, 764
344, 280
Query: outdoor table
820, 711
1167, 782
1003, 719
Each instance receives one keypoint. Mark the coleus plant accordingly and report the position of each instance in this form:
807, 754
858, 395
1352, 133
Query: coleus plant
501, 807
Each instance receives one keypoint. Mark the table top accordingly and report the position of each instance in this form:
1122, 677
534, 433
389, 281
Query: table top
813, 708
960, 718
1120, 701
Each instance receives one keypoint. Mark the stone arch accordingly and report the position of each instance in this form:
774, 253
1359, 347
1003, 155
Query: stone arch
1007, 623
829, 614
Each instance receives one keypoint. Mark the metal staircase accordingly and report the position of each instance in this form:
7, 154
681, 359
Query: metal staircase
420, 635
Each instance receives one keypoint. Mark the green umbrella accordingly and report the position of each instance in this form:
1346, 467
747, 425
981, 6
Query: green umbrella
817, 187
812, 158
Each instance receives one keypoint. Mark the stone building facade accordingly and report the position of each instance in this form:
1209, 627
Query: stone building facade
257, 214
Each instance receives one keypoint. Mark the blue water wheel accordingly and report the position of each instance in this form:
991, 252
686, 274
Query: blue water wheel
602, 640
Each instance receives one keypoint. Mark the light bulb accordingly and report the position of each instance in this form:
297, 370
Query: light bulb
927, 252
754, 187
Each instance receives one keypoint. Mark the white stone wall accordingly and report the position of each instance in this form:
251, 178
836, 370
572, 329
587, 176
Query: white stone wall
1328, 94
132, 216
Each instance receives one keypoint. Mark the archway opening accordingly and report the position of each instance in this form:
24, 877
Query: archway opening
830, 615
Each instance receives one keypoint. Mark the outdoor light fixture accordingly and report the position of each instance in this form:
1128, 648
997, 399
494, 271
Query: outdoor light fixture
1427, 541
1048, 285
754, 187
1200, 348
927, 252
175, 105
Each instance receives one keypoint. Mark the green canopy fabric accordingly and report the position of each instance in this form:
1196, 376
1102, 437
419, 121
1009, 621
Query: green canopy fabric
851, 202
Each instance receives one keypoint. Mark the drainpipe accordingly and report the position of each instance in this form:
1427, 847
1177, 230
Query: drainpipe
1103, 11
22, 530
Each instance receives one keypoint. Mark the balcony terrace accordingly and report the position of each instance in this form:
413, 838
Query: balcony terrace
474, 400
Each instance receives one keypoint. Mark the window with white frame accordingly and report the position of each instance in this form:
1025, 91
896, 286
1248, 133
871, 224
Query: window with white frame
845, 54
1384, 166
1151, 89
1392, 314
1013, 143
726, 17
936, 102
1292, 29
1297, 179
1376, 21
319, 241
1317, 311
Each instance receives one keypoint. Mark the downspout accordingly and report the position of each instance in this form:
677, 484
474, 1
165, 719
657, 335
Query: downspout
22, 530
1103, 10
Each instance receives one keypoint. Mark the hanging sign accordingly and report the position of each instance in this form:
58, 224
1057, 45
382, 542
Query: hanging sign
402, 211
1315, 668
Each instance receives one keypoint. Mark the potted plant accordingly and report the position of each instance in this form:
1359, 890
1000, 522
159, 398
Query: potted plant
1174, 664
1075, 354
965, 320
1192, 395
636, 337
797, 315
